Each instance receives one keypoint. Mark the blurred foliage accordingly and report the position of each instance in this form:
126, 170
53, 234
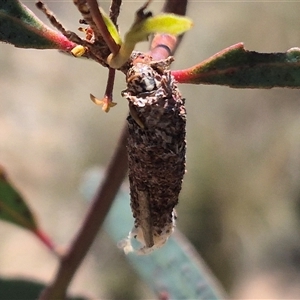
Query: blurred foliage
13, 207
16, 289
21, 28
240, 199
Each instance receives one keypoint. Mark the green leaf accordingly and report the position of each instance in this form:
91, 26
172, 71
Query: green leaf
240, 68
111, 27
23, 289
16, 289
20, 27
142, 28
164, 23
13, 209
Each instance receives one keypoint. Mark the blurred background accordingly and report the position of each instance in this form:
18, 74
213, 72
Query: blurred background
240, 203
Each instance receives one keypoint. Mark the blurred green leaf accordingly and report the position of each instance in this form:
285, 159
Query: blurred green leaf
175, 271
17, 289
20, 27
23, 289
13, 209
240, 68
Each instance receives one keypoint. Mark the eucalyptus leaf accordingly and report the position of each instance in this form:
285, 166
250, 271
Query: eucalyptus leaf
13, 207
111, 27
240, 68
22, 28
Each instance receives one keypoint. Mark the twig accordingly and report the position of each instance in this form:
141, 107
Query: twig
175, 7
114, 10
94, 53
110, 84
100, 206
164, 45
72, 36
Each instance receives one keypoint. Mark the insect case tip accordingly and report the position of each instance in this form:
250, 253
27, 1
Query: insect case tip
137, 234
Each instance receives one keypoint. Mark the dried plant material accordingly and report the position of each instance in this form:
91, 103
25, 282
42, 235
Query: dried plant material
114, 10
156, 151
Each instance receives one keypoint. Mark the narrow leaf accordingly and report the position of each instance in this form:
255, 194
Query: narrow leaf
164, 23
111, 27
240, 68
13, 209
20, 27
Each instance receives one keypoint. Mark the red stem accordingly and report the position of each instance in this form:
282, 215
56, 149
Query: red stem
164, 45
110, 83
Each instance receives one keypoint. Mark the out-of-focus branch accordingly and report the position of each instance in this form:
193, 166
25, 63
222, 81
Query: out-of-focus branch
114, 10
100, 206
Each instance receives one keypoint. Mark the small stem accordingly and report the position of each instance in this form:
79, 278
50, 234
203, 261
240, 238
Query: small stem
110, 83
98, 19
177, 7
164, 45
107, 101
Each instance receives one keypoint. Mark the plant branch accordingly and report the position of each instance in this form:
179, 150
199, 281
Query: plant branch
114, 10
100, 206
110, 84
